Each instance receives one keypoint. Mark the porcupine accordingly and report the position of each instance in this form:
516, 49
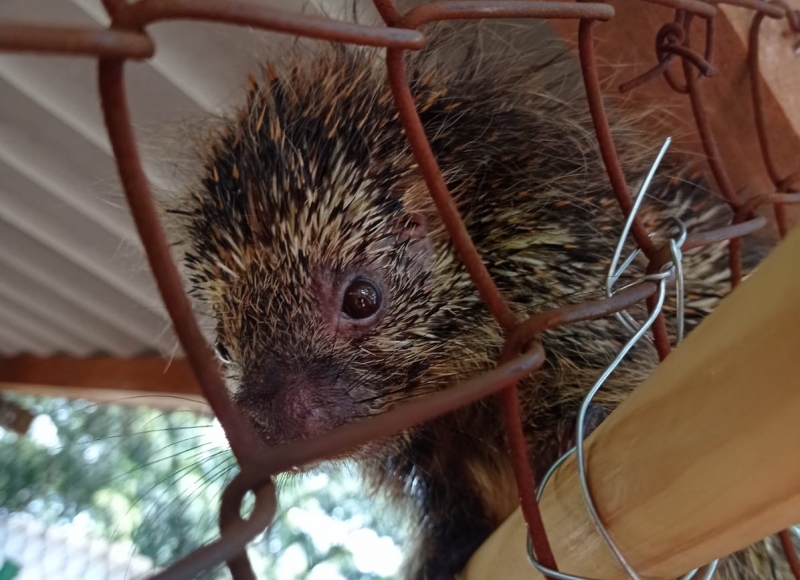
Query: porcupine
337, 294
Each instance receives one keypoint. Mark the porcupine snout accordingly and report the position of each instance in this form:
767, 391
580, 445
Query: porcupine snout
299, 369
288, 403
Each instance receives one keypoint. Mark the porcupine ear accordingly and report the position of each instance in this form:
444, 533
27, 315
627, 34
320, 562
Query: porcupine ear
412, 196
407, 227
415, 227
412, 235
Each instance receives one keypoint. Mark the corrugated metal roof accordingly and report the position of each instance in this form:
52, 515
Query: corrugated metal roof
72, 272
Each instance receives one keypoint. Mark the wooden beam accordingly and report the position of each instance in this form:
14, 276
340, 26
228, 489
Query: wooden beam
699, 462
626, 48
151, 381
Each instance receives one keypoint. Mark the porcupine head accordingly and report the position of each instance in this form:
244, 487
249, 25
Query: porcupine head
335, 290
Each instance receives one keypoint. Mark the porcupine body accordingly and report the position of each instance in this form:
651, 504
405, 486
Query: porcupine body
338, 295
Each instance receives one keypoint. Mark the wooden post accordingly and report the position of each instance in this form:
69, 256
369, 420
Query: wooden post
700, 461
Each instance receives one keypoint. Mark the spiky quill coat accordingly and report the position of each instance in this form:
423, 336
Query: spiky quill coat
313, 181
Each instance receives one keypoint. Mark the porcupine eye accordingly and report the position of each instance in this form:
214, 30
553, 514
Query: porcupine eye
361, 300
222, 353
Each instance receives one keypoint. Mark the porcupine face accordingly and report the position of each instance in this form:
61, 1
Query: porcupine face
316, 265
313, 238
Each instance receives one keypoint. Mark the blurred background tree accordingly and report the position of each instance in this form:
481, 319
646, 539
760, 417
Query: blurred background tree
152, 480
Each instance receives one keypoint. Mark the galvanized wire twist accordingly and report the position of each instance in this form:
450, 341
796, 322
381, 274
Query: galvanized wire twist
671, 269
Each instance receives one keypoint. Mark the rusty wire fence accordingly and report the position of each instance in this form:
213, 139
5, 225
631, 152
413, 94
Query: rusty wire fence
522, 354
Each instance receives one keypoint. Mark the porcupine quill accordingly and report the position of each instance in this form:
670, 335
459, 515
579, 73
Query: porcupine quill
337, 295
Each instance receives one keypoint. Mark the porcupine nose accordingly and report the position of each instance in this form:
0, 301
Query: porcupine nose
285, 404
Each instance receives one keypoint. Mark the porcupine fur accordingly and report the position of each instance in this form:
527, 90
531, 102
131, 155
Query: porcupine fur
313, 181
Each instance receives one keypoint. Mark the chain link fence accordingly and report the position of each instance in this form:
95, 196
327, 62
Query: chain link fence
127, 39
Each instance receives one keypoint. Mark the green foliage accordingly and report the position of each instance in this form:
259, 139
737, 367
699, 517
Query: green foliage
8, 571
154, 480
